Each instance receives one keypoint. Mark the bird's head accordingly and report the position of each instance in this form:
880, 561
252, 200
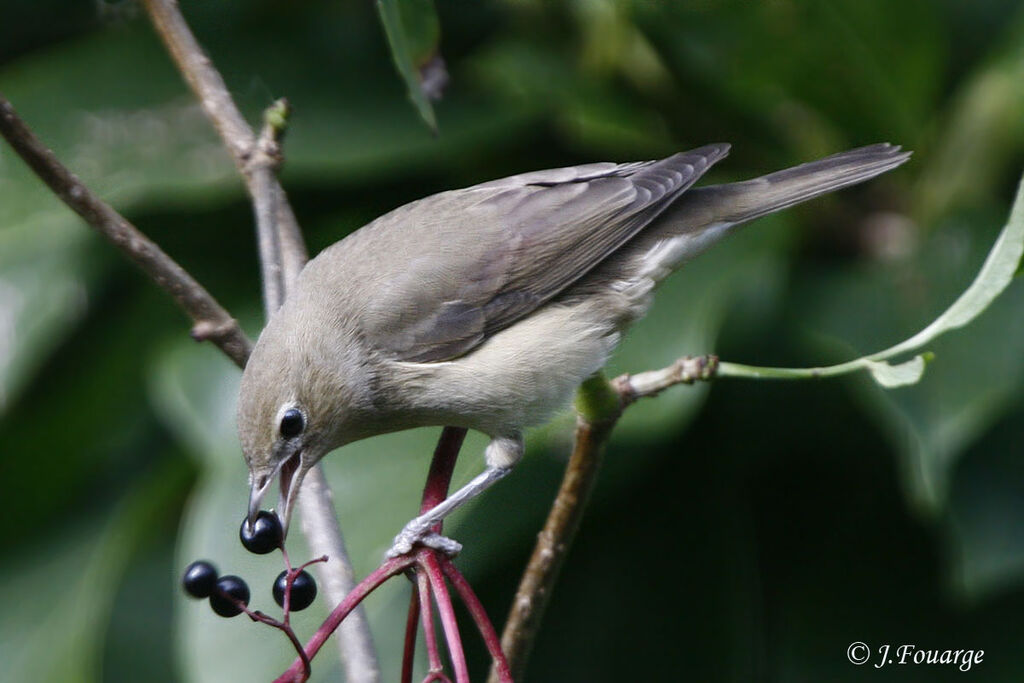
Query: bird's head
294, 407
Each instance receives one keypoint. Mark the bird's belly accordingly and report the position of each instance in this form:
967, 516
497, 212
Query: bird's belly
520, 376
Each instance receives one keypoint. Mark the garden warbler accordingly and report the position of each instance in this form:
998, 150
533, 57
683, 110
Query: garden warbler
486, 307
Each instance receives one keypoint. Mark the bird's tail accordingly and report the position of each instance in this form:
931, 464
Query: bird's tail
704, 215
744, 201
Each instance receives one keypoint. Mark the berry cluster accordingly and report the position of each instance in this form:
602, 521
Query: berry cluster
227, 594
294, 589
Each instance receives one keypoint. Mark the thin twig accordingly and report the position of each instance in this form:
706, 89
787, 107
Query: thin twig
412, 620
439, 477
282, 256
322, 531
202, 76
290, 575
552, 546
283, 626
277, 231
422, 592
426, 561
256, 162
211, 321
686, 370
479, 614
355, 597
593, 428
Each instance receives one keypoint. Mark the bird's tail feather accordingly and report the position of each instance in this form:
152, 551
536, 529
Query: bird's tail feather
745, 201
704, 215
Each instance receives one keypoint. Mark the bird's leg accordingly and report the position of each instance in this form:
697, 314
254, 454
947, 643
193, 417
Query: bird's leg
501, 454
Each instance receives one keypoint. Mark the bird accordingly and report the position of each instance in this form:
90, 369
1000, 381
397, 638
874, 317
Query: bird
486, 307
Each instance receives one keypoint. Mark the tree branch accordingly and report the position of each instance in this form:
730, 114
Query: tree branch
686, 370
282, 255
256, 159
203, 78
211, 321
600, 404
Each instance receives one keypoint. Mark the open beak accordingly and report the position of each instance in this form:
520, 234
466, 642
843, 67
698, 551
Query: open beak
290, 474
257, 491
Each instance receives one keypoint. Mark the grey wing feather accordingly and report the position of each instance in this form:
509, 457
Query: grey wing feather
532, 235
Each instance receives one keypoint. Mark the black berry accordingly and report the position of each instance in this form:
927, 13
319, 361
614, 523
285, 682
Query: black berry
229, 587
200, 579
303, 591
264, 536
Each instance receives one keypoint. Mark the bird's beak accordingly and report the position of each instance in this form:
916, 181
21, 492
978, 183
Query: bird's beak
257, 491
291, 472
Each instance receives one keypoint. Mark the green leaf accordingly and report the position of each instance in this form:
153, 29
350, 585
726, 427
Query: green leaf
413, 33
995, 275
901, 375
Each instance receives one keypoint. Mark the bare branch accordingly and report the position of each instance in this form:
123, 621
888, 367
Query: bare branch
552, 546
257, 159
322, 531
282, 255
600, 407
686, 370
291, 246
212, 322
202, 77
266, 201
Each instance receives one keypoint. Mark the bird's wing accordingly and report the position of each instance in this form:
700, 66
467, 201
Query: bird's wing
493, 253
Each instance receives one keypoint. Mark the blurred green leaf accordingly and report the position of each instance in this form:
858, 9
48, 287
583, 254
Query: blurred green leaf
995, 275
976, 370
851, 70
980, 134
83, 568
537, 77
985, 524
44, 273
413, 33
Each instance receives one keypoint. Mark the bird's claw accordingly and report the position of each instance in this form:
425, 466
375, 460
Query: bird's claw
414, 534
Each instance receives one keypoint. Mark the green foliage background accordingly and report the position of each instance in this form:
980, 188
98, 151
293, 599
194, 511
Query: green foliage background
743, 531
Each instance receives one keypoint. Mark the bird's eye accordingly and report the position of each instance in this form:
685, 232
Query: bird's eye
292, 423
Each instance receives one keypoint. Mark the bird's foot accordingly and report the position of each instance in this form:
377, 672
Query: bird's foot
417, 532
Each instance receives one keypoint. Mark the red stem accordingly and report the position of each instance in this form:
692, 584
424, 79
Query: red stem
427, 619
439, 478
427, 561
384, 572
283, 626
479, 614
436, 490
409, 649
